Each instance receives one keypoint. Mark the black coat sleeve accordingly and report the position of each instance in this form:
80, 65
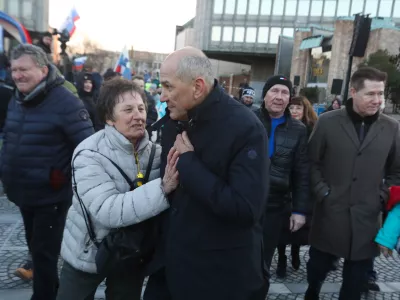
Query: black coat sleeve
301, 176
242, 197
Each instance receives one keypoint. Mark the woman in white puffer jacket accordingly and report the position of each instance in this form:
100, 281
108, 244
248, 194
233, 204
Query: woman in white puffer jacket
107, 196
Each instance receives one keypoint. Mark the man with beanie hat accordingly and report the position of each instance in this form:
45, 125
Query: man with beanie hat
248, 96
289, 179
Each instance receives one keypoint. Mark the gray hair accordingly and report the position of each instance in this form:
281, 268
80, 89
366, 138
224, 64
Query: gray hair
36, 53
192, 67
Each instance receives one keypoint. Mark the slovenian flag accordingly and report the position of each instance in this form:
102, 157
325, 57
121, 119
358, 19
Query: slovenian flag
123, 66
69, 24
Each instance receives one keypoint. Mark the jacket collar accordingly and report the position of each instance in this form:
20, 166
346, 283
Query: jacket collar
121, 142
52, 80
356, 118
200, 112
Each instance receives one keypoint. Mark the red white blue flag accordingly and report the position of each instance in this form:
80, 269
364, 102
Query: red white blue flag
69, 24
123, 66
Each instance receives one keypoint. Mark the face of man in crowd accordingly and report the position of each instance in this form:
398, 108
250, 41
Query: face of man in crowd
247, 100
129, 116
139, 83
367, 101
27, 74
178, 95
277, 99
47, 40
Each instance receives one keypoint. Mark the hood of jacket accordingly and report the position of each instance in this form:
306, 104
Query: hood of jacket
52, 80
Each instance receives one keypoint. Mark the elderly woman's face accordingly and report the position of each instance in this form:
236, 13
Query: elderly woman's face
130, 116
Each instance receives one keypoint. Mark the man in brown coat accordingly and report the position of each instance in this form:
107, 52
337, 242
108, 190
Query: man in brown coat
352, 151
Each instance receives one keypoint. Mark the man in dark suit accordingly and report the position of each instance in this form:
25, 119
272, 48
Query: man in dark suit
212, 240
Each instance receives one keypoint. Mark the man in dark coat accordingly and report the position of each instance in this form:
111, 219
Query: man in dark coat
352, 151
212, 243
289, 178
44, 123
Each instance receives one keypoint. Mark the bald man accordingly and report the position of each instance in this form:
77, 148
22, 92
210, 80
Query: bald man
212, 234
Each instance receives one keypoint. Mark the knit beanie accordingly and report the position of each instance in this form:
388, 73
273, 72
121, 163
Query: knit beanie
249, 92
276, 79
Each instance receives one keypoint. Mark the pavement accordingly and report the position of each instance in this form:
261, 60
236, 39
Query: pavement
13, 252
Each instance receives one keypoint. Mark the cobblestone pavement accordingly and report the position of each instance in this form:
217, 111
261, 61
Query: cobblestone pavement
13, 252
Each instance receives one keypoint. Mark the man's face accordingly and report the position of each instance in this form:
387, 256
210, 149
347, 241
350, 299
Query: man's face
277, 99
27, 74
178, 95
139, 83
247, 100
367, 101
47, 40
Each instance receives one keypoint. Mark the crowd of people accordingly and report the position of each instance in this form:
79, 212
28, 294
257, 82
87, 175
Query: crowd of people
202, 210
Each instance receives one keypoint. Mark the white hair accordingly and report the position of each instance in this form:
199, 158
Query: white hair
192, 67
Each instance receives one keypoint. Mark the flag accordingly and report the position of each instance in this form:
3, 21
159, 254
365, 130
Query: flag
123, 66
69, 24
1, 39
79, 62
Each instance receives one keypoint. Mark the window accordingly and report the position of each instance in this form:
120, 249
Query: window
396, 10
275, 33
218, 6
385, 9
330, 8
343, 8
230, 7
239, 34
371, 7
357, 6
241, 8
13, 7
278, 8
266, 7
288, 32
27, 10
316, 8
254, 6
251, 34
290, 9
227, 35
304, 8
216, 33
263, 33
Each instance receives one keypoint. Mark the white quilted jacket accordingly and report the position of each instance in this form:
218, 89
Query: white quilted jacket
106, 194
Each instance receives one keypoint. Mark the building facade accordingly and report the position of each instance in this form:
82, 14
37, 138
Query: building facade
321, 56
248, 31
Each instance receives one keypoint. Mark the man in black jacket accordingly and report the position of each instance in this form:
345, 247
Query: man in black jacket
289, 187
212, 243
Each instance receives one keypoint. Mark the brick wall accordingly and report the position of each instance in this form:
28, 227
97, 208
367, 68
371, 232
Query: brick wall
300, 57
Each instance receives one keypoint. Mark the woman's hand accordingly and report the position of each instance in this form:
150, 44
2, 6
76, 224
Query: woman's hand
171, 176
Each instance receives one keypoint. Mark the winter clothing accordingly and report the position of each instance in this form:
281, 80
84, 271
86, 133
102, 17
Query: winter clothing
389, 235
212, 247
277, 79
347, 178
35, 171
106, 194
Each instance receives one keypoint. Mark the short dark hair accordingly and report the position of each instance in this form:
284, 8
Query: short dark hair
138, 77
109, 96
366, 73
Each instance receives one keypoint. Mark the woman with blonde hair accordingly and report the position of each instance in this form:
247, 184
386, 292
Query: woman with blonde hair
302, 110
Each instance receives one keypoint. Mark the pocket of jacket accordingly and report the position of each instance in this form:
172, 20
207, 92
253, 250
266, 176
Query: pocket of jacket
57, 179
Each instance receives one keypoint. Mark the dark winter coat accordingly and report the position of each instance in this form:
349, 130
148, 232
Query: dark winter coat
212, 246
289, 178
41, 132
346, 178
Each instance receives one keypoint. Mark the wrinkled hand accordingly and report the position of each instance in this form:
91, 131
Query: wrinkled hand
296, 222
183, 144
171, 176
385, 251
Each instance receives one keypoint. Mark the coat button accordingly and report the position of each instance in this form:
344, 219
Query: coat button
174, 210
359, 153
354, 179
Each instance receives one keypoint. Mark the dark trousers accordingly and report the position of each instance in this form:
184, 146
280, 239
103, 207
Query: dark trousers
120, 285
354, 274
44, 228
273, 222
157, 287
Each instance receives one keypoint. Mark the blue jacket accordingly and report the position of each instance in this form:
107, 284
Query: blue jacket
41, 132
390, 232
